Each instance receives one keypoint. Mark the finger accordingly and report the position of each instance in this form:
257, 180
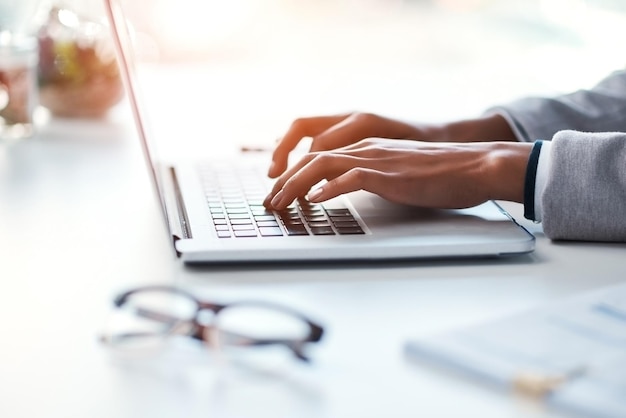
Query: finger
300, 128
359, 126
323, 166
364, 153
348, 131
280, 181
358, 178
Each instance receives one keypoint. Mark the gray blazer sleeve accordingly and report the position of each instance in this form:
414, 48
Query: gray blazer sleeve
585, 193
600, 109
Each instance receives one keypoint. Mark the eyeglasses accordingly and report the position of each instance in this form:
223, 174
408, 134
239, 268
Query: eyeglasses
152, 314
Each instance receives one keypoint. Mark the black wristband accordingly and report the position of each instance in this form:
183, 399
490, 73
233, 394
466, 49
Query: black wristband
529, 183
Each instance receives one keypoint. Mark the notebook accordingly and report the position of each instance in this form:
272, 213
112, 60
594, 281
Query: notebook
571, 354
213, 210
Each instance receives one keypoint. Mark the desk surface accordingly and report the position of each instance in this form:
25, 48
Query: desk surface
78, 223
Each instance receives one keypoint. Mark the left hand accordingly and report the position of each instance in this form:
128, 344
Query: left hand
438, 175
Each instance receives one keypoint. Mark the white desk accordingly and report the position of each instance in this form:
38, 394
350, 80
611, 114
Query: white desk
78, 223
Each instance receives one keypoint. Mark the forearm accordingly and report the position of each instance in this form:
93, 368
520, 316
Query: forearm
489, 128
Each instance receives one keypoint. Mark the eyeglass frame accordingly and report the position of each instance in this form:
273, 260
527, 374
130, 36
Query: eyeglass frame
199, 331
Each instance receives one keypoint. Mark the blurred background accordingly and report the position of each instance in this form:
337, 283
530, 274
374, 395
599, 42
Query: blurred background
415, 59
538, 36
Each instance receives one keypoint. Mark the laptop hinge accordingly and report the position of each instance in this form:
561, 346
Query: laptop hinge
176, 214
183, 220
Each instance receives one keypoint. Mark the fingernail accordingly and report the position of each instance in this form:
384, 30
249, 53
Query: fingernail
277, 200
314, 195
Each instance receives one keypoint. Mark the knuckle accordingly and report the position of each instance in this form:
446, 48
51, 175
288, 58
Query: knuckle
321, 159
368, 142
364, 117
358, 174
304, 161
298, 124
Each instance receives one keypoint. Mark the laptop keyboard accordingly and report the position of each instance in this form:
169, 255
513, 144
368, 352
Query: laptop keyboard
235, 199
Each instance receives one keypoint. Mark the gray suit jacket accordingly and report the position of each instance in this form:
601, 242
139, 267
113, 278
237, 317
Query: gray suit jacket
585, 193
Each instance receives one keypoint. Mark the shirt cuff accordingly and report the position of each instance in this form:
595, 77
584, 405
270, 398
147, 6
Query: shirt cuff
541, 179
530, 181
537, 172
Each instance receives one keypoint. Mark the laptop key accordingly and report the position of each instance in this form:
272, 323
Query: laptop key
339, 212
231, 211
239, 215
352, 230
287, 216
241, 221
264, 218
263, 224
315, 218
270, 231
232, 198
248, 227
235, 205
255, 202
245, 234
262, 212
345, 224
322, 230
294, 222
223, 234
296, 229
315, 224
312, 212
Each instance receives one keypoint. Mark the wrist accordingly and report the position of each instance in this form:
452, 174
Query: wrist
505, 173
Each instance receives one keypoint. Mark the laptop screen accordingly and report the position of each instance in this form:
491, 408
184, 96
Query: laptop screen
123, 41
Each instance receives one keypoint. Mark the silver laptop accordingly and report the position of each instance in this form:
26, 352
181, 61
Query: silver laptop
214, 213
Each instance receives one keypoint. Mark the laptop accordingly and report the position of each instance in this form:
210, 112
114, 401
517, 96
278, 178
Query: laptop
214, 214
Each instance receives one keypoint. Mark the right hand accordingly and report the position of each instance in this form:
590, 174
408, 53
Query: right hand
332, 132
436, 175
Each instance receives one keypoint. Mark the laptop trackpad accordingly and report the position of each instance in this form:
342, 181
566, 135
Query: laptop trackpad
382, 215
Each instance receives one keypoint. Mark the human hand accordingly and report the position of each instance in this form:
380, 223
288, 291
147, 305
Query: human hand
438, 175
330, 132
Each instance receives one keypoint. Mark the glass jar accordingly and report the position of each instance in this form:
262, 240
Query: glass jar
18, 67
18, 87
78, 73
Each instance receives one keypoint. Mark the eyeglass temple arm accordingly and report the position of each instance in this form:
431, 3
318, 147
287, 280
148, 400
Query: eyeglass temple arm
295, 346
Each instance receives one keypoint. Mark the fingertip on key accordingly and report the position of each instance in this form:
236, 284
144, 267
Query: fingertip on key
270, 171
314, 195
277, 200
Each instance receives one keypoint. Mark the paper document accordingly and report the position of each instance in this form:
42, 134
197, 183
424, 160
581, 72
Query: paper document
572, 353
